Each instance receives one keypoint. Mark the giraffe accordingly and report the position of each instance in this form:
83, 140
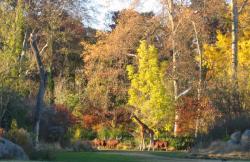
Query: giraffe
145, 130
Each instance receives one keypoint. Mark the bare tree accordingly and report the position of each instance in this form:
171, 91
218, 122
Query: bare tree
174, 25
42, 86
200, 76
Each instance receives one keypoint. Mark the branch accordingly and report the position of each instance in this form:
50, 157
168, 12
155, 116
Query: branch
33, 44
132, 55
243, 6
44, 48
184, 92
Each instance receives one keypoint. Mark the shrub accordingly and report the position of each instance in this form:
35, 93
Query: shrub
83, 146
56, 123
126, 145
225, 126
103, 133
111, 133
188, 111
22, 138
88, 134
13, 107
181, 143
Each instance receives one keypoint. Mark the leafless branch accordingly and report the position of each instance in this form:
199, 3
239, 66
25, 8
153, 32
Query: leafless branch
44, 48
132, 55
184, 92
243, 6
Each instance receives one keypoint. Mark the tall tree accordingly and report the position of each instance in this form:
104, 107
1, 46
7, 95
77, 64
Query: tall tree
235, 29
106, 61
42, 86
147, 93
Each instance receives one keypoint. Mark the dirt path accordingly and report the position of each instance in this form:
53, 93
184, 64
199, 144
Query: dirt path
147, 157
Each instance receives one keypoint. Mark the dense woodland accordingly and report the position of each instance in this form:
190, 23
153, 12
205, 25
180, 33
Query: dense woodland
182, 75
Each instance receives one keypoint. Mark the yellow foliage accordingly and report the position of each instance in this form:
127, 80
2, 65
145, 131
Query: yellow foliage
218, 57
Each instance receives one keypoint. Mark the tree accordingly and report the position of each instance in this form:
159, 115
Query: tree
11, 37
42, 86
62, 29
178, 18
106, 60
147, 93
218, 61
235, 29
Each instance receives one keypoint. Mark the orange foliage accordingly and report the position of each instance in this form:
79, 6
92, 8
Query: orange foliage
1, 132
190, 109
64, 116
89, 120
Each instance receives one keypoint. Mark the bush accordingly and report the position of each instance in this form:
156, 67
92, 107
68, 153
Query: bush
126, 145
56, 122
111, 133
22, 138
88, 134
224, 127
15, 107
181, 143
83, 146
103, 133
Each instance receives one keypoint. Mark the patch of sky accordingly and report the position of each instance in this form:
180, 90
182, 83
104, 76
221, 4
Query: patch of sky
100, 10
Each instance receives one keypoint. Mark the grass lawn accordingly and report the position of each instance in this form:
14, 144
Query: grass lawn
125, 156
93, 157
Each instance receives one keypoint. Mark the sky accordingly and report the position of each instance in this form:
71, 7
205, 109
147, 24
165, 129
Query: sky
99, 10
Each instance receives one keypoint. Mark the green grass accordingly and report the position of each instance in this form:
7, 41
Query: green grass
117, 156
93, 157
170, 154
124, 156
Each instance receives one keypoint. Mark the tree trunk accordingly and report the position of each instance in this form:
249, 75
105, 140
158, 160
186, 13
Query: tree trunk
51, 86
235, 19
170, 5
51, 82
41, 91
24, 48
200, 79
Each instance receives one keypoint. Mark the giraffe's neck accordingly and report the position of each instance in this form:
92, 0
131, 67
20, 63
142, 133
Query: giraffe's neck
140, 122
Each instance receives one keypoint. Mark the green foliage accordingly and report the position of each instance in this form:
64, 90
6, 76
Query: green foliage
84, 133
12, 24
103, 133
181, 142
13, 125
12, 109
88, 134
70, 99
147, 92
21, 137
113, 133
11, 31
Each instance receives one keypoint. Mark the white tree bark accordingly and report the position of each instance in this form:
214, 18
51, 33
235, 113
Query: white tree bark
170, 11
235, 18
200, 78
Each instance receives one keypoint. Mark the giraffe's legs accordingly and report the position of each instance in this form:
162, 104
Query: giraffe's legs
143, 142
151, 142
